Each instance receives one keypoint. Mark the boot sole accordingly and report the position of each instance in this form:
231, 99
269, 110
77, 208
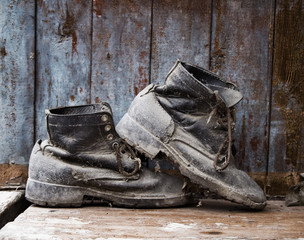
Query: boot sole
55, 195
145, 142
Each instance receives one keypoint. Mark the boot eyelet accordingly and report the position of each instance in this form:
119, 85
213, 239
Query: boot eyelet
104, 117
108, 128
110, 137
115, 145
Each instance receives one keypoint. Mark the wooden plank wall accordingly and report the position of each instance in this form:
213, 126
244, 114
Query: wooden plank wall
60, 53
63, 57
286, 153
120, 52
17, 79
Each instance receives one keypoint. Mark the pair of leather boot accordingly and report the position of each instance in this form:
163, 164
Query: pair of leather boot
189, 119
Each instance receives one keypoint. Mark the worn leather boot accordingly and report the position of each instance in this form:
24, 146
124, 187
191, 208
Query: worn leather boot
190, 119
85, 159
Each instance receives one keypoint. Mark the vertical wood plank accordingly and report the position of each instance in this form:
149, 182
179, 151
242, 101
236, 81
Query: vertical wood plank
121, 52
181, 30
287, 125
63, 56
240, 54
16, 80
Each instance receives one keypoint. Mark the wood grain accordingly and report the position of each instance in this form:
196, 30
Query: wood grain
63, 56
16, 80
120, 52
240, 48
215, 219
181, 30
287, 122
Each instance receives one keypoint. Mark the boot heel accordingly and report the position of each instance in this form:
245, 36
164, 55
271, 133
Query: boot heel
47, 194
139, 137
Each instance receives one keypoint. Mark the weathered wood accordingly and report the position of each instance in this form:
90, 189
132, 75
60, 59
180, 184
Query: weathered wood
120, 52
12, 203
181, 30
275, 183
216, 219
13, 176
113, 50
240, 39
16, 80
63, 56
287, 123
7, 198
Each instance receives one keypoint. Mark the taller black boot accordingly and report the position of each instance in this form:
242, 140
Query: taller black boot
84, 158
190, 119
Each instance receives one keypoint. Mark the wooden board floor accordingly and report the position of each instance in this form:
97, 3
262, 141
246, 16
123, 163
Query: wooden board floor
12, 203
7, 198
215, 219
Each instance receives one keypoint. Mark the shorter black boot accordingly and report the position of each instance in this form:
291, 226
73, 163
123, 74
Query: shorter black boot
84, 158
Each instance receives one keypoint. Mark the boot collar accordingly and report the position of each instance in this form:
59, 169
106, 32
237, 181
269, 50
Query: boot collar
200, 81
89, 114
86, 109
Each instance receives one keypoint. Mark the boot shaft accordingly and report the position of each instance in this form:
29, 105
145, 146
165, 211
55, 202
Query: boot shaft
86, 135
198, 100
197, 83
81, 129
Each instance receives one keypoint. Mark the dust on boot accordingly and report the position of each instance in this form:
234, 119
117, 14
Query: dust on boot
190, 119
84, 158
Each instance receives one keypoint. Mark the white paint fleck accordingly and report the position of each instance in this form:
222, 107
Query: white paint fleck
76, 231
171, 227
113, 238
221, 225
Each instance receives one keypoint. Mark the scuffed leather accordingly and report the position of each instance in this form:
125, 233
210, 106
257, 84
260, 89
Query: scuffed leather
191, 81
78, 134
79, 160
186, 119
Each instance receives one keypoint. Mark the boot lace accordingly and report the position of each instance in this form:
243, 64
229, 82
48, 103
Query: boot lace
119, 149
218, 164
